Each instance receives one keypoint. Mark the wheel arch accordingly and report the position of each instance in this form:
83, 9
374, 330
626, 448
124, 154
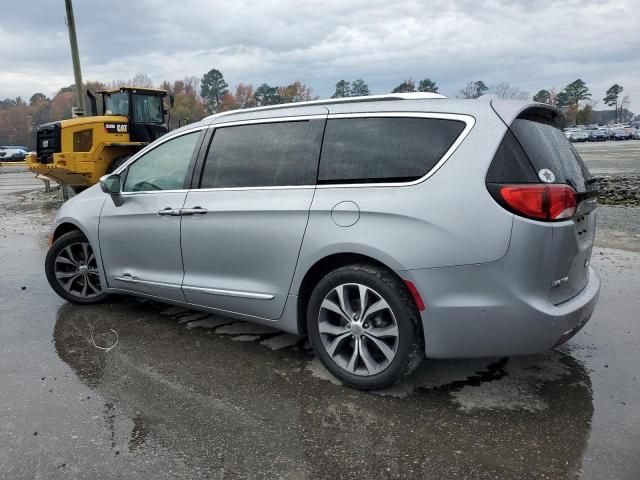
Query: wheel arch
321, 268
64, 228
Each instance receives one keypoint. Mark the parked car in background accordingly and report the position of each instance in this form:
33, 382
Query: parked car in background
328, 219
597, 136
12, 155
578, 136
636, 134
620, 134
19, 147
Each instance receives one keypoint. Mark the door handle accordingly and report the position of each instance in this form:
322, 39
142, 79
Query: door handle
169, 211
194, 211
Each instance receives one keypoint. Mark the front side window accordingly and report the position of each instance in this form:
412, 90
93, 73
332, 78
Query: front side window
147, 108
264, 155
381, 149
116, 103
163, 168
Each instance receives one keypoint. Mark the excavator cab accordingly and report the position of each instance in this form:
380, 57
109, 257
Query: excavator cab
143, 106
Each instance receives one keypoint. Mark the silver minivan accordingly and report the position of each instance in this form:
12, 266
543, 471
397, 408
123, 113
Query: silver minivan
385, 228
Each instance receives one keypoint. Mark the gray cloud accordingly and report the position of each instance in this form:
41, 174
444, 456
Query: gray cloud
530, 44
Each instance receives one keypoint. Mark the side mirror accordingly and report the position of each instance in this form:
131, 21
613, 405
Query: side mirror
111, 184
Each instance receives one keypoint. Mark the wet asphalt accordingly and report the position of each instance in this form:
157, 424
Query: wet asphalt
136, 389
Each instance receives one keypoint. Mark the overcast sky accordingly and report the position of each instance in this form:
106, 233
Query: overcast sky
531, 44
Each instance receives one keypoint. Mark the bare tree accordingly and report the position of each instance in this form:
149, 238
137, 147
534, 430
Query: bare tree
141, 80
506, 91
473, 90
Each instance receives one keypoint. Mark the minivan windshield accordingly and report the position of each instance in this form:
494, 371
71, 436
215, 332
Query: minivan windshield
548, 148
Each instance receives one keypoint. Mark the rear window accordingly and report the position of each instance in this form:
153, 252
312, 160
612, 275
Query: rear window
548, 148
362, 150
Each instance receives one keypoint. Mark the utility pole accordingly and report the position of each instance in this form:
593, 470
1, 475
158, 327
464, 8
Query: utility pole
75, 57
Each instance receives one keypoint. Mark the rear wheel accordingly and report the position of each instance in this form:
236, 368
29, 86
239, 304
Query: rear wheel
72, 270
364, 326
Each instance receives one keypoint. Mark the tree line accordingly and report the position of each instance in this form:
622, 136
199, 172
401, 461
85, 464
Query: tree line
195, 98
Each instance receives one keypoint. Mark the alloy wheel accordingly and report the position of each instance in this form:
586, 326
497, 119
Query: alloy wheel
76, 270
358, 329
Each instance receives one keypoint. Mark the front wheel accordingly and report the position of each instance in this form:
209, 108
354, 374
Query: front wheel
72, 270
364, 326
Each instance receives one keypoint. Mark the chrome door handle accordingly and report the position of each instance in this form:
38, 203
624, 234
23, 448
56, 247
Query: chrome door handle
194, 211
169, 211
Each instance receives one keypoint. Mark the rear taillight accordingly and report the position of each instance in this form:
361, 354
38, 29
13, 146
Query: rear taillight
540, 202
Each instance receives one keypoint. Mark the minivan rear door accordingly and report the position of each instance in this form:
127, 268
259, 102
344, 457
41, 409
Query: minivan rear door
245, 217
555, 160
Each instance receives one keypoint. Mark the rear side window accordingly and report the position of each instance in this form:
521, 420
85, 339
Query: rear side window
264, 155
510, 163
548, 148
362, 150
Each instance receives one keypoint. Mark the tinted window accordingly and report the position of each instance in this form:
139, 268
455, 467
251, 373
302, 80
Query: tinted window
163, 168
382, 149
263, 155
548, 147
510, 163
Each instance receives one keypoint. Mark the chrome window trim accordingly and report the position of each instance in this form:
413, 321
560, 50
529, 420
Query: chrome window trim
238, 189
292, 118
229, 293
468, 120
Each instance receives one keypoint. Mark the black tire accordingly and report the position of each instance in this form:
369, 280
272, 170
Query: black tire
117, 163
73, 293
410, 342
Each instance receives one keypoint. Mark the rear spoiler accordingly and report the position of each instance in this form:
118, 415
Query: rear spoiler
509, 110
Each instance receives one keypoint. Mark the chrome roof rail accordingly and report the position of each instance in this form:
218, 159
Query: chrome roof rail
331, 101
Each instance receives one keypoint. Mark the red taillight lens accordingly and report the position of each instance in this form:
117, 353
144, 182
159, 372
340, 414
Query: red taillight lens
541, 202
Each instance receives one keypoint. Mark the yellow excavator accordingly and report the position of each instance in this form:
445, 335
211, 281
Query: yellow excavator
77, 152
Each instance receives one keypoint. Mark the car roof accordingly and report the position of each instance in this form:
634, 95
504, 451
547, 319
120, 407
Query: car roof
415, 101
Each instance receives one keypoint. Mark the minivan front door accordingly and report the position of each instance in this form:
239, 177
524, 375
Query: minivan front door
139, 229
243, 228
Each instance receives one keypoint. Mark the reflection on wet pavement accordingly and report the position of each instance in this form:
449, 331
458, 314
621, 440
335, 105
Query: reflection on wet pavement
257, 408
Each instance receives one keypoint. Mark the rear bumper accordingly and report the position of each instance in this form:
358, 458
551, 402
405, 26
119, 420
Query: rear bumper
472, 311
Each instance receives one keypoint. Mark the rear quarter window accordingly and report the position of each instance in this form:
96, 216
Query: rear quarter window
382, 149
